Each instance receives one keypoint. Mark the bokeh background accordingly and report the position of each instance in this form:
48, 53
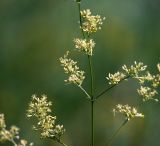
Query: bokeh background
34, 34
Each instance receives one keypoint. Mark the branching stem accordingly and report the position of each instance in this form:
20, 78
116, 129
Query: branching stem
106, 90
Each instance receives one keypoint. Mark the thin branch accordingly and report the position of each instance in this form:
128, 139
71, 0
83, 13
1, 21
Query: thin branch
88, 96
106, 90
116, 132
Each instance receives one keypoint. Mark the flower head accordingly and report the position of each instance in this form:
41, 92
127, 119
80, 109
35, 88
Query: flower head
147, 93
127, 111
85, 45
11, 135
39, 108
70, 67
115, 78
135, 69
90, 23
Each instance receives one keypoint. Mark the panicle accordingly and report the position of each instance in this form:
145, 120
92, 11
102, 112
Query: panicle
127, 111
115, 78
91, 23
11, 135
147, 93
39, 108
135, 69
84, 45
70, 67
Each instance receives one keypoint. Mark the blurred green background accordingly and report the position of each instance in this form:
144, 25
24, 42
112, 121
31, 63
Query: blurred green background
34, 34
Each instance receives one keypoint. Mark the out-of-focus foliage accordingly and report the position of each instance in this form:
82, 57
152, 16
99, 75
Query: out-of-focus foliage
34, 34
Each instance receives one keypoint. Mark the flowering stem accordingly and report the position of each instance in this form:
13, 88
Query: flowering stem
116, 132
106, 90
80, 18
92, 101
91, 75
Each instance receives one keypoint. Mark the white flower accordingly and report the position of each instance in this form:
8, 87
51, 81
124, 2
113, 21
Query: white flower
91, 23
147, 77
127, 111
115, 78
70, 67
147, 93
135, 69
39, 108
11, 135
85, 45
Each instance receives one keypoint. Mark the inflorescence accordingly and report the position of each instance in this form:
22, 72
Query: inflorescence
70, 67
127, 111
84, 45
148, 82
39, 108
11, 135
90, 22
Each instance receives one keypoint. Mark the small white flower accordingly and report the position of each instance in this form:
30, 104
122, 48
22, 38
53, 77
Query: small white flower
70, 67
91, 23
144, 78
39, 108
11, 135
85, 45
115, 78
147, 93
127, 111
135, 69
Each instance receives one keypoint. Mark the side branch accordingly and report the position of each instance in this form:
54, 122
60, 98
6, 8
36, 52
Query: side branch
106, 90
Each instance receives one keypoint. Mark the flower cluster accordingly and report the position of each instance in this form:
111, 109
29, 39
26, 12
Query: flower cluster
90, 23
135, 69
147, 93
70, 67
148, 82
11, 135
115, 78
40, 109
85, 45
127, 111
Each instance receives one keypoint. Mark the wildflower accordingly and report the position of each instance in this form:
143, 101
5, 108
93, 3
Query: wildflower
135, 69
39, 108
144, 78
115, 78
127, 111
70, 67
85, 45
11, 135
90, 23
147, 93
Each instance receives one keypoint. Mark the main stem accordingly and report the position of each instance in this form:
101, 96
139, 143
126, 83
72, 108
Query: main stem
92, 101
91, 75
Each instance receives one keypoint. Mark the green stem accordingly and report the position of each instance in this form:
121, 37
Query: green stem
92, 101
91, 75
80, 18
106, 90
92, 122
116, 132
